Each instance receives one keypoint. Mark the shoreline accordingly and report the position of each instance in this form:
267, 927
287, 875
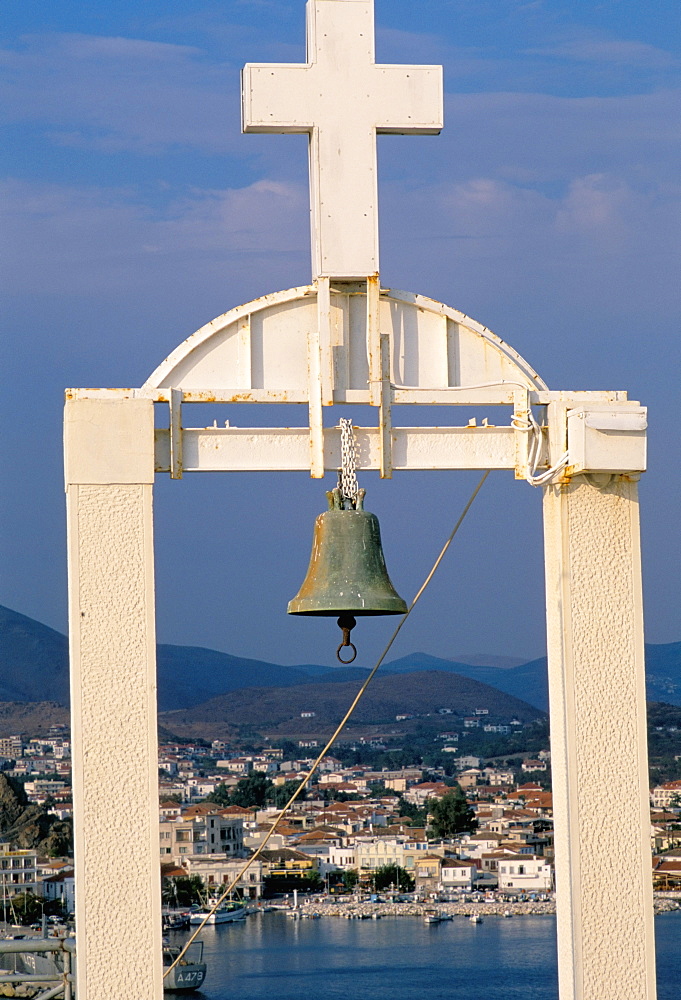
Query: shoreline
313, 909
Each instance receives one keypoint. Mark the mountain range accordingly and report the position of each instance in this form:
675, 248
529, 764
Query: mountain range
34, 667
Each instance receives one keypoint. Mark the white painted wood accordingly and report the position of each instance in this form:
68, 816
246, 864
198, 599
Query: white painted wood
113, 699
342, 98
439, 353
598, 741
257, 449
319, 377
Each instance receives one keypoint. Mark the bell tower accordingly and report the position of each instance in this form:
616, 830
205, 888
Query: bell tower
345, 339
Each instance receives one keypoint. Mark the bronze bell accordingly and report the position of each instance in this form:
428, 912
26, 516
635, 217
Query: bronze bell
347, 574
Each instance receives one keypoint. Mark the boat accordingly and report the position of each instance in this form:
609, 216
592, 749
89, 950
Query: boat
175, 920
224, 914
475, 918
190, 971
432, 917
187, 975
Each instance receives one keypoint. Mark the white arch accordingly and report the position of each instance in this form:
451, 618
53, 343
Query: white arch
258, 352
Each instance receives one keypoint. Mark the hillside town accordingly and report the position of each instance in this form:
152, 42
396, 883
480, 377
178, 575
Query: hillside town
217, 804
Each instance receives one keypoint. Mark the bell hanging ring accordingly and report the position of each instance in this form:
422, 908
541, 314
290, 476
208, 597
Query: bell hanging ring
347, 575
346, 623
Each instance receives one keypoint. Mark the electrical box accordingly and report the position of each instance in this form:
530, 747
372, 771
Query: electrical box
605, 440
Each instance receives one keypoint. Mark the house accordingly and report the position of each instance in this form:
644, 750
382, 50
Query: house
61, 887
286, 862
419, 794
470, 777
219, 872
533, 765
376, 852
169, 809
666, 795
456, 874
524, 873
426, 874
201, 830
18, 871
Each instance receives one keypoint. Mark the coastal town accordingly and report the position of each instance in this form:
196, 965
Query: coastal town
360, 837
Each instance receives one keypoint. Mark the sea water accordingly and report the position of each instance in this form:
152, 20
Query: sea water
270, 957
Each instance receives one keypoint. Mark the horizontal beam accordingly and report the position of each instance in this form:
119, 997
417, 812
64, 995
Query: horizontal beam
274, 449
493, 395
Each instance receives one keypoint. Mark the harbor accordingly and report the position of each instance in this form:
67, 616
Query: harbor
494, 906
398, 958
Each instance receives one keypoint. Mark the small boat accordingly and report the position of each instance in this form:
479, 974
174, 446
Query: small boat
175, 920
190, 971
507, 913
224, 914
432, 917
475, 918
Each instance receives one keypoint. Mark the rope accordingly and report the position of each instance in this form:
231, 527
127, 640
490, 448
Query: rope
339, 728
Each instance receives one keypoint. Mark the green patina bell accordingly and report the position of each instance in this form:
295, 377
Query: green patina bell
347, 574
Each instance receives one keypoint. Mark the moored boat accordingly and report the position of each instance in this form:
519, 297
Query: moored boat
224, 914
190, 971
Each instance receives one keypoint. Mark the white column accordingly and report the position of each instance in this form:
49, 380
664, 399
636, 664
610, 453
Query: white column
109, 451
598, 741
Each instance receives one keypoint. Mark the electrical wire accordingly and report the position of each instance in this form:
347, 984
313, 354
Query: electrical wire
528, 425
339, 728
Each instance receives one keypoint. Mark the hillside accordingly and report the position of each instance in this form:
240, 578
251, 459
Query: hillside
529, 681
34, 660
34, 667
276, 712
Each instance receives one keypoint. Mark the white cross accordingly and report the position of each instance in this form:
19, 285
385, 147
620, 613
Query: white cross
342, 98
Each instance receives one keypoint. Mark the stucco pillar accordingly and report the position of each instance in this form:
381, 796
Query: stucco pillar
109, 460
598, 740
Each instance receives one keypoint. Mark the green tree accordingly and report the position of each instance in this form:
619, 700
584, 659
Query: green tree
220, 795
251, 791
27, 908
279, 795
394, 876
451, 815
350, 878
183, 890
417, 816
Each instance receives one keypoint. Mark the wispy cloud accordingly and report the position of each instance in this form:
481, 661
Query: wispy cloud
588, 48
92, 240
127, 93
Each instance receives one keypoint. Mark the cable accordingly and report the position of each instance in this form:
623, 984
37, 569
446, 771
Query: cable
339, 728
529, 425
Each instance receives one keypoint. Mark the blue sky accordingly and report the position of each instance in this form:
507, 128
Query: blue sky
134, 211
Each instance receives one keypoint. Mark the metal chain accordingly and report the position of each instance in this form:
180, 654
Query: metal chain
347, 478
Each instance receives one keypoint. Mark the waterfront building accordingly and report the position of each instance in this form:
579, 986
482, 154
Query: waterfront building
200, 832
18, 871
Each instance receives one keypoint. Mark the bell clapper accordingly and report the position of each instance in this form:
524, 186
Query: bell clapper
346, 623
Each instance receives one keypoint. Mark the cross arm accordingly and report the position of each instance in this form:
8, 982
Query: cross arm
410, 98
275, 98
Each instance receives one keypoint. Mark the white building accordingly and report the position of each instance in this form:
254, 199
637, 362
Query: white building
456, 875
18, 871
525, 873
208, 834
61, 887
